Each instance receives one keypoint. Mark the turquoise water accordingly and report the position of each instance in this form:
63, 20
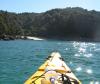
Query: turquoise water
19, 59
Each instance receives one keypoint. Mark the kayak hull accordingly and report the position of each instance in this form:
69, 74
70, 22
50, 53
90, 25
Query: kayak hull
53, 62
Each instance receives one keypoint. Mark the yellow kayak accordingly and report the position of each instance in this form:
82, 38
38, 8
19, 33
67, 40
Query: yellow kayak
53, 71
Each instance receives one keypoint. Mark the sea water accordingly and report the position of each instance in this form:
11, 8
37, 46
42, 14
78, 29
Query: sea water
19, 59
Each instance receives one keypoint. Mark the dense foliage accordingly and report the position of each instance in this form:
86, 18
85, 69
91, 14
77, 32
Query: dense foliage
71, 23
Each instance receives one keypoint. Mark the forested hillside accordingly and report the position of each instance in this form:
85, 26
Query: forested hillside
69, 23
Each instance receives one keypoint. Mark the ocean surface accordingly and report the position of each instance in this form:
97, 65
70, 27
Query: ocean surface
19, 59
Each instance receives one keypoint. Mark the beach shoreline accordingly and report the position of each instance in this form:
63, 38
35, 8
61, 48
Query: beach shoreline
10, 37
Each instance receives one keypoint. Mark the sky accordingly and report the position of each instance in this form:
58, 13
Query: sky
39, 6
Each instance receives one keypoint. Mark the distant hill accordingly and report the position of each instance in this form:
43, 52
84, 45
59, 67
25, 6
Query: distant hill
68, 23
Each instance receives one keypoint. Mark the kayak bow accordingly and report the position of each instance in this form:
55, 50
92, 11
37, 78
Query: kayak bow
53, 71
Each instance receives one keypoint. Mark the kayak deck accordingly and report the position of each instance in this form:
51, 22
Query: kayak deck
53, 66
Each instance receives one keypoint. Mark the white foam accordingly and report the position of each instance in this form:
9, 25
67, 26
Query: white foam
93, 82
77, 55
89, 71
66, 48
82, 50
91, 44
78, 69
76, 44
83, 45
70, 62
98, 49
88, 55
97, 82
